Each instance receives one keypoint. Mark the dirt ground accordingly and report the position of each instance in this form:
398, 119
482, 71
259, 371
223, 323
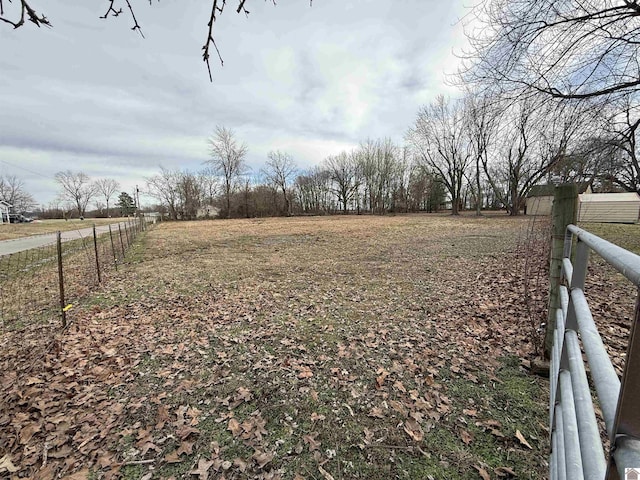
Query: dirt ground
315, 347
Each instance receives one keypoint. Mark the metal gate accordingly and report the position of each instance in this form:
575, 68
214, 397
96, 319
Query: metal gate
576, 448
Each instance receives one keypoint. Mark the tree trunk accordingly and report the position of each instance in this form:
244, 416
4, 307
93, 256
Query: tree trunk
454, 206
515, 204
478, 190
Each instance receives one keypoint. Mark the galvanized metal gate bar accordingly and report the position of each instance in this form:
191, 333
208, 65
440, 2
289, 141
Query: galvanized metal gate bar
577, 451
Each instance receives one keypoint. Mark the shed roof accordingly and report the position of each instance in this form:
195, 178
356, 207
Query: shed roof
610, 197
548, 190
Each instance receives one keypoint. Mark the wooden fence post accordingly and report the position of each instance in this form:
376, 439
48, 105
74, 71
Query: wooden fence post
565, 210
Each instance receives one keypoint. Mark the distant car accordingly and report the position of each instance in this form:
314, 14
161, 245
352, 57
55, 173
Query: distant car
19, 218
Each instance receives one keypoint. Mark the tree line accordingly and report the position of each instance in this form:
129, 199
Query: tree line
549, 95
377, 177
483, 150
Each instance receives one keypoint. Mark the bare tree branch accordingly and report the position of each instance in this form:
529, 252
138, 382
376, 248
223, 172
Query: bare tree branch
565, 49
217, 7
26, 11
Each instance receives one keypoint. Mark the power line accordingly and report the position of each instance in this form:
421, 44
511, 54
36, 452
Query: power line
26, 169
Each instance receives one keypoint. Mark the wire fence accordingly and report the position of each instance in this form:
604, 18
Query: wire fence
40, 285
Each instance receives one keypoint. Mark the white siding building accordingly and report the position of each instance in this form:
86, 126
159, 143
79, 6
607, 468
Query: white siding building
609, 207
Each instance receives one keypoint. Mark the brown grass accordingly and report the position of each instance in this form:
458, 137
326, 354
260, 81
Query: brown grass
343, 347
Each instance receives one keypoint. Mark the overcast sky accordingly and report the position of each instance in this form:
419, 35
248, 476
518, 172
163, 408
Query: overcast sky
91, 95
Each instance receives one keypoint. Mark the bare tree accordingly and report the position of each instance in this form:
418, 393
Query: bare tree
619, 132
280, 170
481, 122
343, 170
190, 194
227, 160
562, 48
12, 191
209, 184
439, 138
533, 140
379, 166
107, 187
77, 189
313, 190
165, 188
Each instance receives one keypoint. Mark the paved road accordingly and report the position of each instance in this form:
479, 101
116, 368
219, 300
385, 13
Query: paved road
26, 243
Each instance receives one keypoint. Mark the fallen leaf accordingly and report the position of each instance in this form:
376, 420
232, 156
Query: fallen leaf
382, 376
27, 432
203, 468
240, 463
185, 447
243, 394
368, 435
149, 446
5, 464
315, 417
234, 427
399, 386
325, 474
505, 472
465, 436
172, 457
262, 458
523, 440
398, 407
413, 429
376, 412
483, 473
311, 441
184, 431
79, 475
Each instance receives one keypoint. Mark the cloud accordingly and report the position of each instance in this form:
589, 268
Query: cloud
91, 95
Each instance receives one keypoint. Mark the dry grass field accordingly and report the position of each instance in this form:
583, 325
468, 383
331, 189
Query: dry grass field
17, 230
315, 348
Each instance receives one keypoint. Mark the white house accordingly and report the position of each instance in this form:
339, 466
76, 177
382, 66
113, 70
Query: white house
5, 207
207, 211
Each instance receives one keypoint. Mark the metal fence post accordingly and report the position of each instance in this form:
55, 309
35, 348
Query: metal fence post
113, 249
63, 309
127, 233
95, 248
565, 202
121, 241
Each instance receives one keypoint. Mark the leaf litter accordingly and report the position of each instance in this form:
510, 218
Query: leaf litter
380, 347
